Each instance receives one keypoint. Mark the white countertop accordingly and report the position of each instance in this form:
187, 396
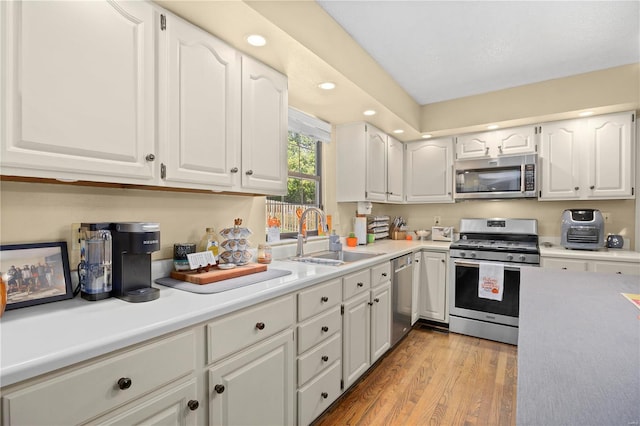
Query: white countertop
619, 255
43, 338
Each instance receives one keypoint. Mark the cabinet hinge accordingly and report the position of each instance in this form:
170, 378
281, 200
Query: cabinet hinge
341, 384
366, 194
540, 196
163, 171
163, 22
366, 128
342, 310
632, 190
536, 147
633, 118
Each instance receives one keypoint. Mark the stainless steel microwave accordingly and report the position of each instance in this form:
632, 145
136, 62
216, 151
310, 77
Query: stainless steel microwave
503, 177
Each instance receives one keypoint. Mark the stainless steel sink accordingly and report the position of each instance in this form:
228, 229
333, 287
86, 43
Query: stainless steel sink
334, 258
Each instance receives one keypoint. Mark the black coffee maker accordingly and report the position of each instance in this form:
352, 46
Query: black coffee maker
133, 243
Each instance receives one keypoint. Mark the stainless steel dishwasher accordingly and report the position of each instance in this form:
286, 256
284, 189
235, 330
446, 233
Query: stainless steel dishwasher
401, 283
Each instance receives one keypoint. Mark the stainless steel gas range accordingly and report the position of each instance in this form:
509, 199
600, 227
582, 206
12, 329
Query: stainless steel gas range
485, 276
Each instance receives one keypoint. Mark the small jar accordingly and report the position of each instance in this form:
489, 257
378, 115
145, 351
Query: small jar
264, 253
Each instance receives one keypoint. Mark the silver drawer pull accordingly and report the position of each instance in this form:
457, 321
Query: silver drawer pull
324, 299
260, 326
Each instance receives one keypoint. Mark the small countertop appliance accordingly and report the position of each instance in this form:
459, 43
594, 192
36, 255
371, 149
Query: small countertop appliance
133, 243
582, 229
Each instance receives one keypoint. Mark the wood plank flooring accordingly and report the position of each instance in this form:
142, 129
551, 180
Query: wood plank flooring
434, 378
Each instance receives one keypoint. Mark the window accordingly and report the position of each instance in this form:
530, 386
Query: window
304, 186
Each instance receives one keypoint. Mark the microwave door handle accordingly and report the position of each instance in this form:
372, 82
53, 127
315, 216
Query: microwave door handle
522, 174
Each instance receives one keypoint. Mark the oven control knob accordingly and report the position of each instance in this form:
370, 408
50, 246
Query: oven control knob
509, 257
522, 257
473, 254
463, 254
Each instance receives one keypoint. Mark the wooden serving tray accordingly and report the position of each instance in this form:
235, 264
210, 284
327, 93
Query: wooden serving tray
216, 274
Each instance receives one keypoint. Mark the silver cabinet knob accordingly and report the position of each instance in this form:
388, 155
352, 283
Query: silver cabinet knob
576, 188
234, 170
150, 157
249, 172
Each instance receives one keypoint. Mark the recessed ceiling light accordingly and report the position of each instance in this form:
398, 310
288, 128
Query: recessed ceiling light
327, 85
493, 127
369, 112
398, 131
586, 113
427, 136
256, 40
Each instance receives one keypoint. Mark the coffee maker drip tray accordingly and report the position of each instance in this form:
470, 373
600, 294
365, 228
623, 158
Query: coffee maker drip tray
144, 294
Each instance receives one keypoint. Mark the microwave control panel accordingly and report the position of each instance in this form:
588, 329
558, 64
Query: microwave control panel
529, 177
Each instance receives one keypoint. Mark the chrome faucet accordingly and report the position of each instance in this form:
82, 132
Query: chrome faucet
301, 238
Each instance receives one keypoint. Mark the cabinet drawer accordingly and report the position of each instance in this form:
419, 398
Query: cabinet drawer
568, 264
356, 283
95, 389
312, 331
380, 274
624, 268
318, 395
239, 330
319, 298
319, 358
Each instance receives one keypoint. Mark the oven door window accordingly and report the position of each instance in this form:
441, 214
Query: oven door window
498, 179
466, 292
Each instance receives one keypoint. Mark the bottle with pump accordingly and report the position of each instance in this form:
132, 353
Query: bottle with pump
210, 243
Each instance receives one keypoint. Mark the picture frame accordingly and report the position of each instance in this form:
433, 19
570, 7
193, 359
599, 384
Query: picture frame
35, 273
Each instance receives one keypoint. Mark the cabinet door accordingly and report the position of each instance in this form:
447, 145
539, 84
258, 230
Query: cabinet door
255, 386
428, 173
356, 329
78, 95
559, 160
380, 320
264, 128
474, 145
433, 287
566, 264
415, 286
177, 406
199, 107
376, 154
515, 140
395, 170
610, 168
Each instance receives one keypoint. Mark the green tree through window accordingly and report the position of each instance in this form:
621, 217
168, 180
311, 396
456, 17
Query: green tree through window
303, 185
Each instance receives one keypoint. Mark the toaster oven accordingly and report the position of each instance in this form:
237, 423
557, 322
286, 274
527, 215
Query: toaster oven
582, 229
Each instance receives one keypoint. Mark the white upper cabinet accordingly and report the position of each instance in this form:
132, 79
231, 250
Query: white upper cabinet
511, 141
264, 129
376, 167
429, 171
79, 90
199, 107
589, 158
369, 164
395, 170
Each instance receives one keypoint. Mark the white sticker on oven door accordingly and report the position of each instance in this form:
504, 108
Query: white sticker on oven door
491, 281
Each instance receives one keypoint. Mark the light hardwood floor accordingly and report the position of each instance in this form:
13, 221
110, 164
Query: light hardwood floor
434, 378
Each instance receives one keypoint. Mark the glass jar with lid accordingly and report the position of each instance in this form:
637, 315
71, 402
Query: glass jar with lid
264, 253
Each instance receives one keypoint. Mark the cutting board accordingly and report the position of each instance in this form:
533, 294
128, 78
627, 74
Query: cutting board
216, 274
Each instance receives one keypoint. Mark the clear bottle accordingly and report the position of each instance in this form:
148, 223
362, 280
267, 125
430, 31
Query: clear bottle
209, 242
264, 253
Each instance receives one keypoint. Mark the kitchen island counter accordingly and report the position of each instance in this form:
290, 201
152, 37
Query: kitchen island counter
578, 349
41, 339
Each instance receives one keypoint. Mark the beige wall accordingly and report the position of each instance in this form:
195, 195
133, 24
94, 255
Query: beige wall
547, 213
35, 212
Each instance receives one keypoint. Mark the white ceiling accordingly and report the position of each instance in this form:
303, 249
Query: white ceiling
441, 50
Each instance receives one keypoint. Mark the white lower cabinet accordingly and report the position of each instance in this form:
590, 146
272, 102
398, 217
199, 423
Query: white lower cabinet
81, 393
415, 286
366, 322
433, 287
176, 406
591, 265
255, 386
319, 334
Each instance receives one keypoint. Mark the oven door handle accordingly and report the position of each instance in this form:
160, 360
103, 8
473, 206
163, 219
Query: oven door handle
477, 265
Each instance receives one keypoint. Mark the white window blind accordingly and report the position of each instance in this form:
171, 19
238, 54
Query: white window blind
300, 122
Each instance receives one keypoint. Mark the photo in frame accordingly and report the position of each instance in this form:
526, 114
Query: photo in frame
35, 273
